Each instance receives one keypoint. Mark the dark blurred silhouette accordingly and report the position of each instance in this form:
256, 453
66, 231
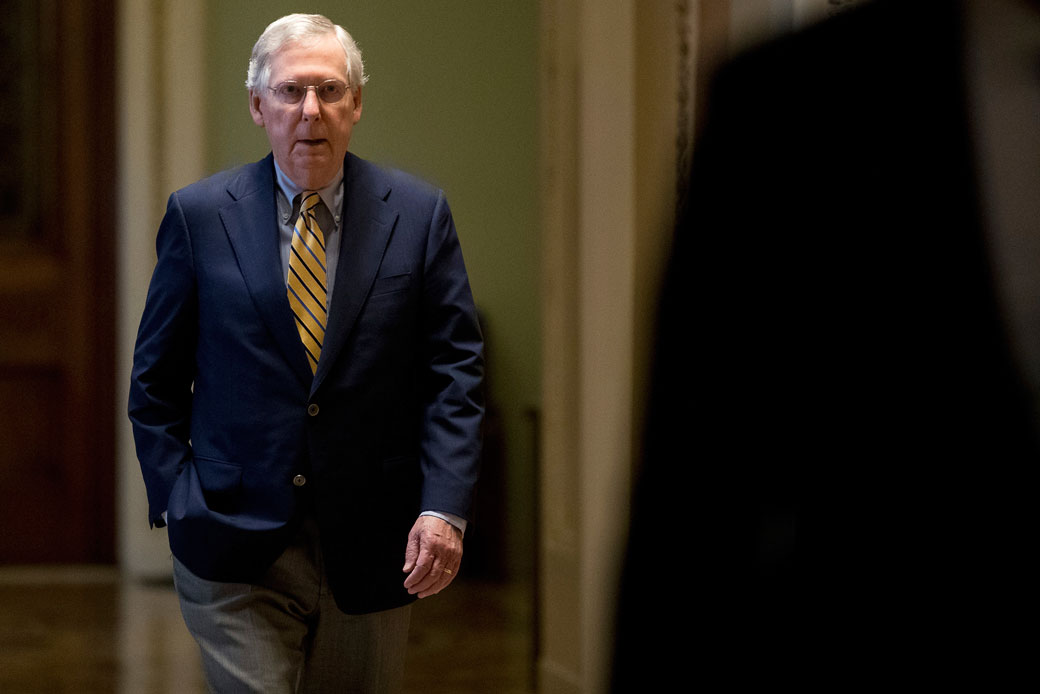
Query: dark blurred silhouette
843, 357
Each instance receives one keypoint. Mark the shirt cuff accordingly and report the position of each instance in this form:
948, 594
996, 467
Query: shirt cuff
451, 518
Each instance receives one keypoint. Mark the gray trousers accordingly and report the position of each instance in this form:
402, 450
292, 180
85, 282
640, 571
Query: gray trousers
284, 633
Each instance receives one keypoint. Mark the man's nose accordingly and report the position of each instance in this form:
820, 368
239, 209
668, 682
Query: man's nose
311, 105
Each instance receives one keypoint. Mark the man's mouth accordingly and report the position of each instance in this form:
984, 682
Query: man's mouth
311, 143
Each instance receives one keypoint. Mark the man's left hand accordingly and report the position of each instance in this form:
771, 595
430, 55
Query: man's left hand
432, 556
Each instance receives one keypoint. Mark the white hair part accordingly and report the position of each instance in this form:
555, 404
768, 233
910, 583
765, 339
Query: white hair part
301, 28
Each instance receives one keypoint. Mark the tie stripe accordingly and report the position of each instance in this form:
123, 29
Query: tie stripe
305, 285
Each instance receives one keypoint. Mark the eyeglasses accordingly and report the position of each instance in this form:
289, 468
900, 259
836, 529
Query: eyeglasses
291, 92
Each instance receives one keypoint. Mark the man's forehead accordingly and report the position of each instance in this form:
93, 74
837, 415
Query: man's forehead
323, 53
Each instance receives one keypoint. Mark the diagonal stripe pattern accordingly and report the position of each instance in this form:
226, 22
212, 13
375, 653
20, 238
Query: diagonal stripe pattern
306, 282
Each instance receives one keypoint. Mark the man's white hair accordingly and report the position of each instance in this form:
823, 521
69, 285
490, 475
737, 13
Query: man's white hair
301, 29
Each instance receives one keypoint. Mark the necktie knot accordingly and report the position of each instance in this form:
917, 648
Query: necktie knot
309, 200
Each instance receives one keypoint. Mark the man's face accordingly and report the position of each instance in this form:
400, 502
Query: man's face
309, 139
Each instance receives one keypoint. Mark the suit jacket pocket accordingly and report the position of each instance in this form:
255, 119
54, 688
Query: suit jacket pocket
220, 482
391, 283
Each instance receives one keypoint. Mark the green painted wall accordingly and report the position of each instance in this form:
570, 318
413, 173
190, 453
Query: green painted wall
451, 97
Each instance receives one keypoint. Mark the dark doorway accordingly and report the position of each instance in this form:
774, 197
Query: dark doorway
57, 197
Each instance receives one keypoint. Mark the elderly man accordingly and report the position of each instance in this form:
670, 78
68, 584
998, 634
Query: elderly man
306, 390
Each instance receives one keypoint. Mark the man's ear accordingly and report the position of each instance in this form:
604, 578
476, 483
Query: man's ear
255, 109
357, 105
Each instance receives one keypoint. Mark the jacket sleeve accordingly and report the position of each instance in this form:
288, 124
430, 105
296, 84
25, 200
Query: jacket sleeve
453, 407
163, 368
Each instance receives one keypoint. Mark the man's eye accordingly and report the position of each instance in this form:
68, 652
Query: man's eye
331, 92
290, 89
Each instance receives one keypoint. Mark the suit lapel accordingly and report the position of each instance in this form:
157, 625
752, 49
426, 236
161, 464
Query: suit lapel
250, 221
367, 224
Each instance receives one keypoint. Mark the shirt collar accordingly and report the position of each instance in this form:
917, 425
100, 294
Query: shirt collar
331, 195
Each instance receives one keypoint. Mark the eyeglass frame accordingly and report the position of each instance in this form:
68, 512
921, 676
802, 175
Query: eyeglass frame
306, 87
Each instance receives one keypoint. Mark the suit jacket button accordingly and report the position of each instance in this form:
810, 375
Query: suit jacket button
312, 409
299, 480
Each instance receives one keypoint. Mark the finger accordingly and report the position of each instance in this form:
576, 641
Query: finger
423, 565
443, 581
411, 552
435, 582
428, 582
441, 574
417, 575
433, 577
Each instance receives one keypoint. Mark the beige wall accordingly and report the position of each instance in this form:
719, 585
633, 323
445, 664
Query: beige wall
610, 112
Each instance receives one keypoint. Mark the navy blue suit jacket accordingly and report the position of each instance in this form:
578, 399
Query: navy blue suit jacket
226, 412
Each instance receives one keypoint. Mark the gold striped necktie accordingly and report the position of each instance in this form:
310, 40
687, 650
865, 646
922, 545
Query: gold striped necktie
307, 278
